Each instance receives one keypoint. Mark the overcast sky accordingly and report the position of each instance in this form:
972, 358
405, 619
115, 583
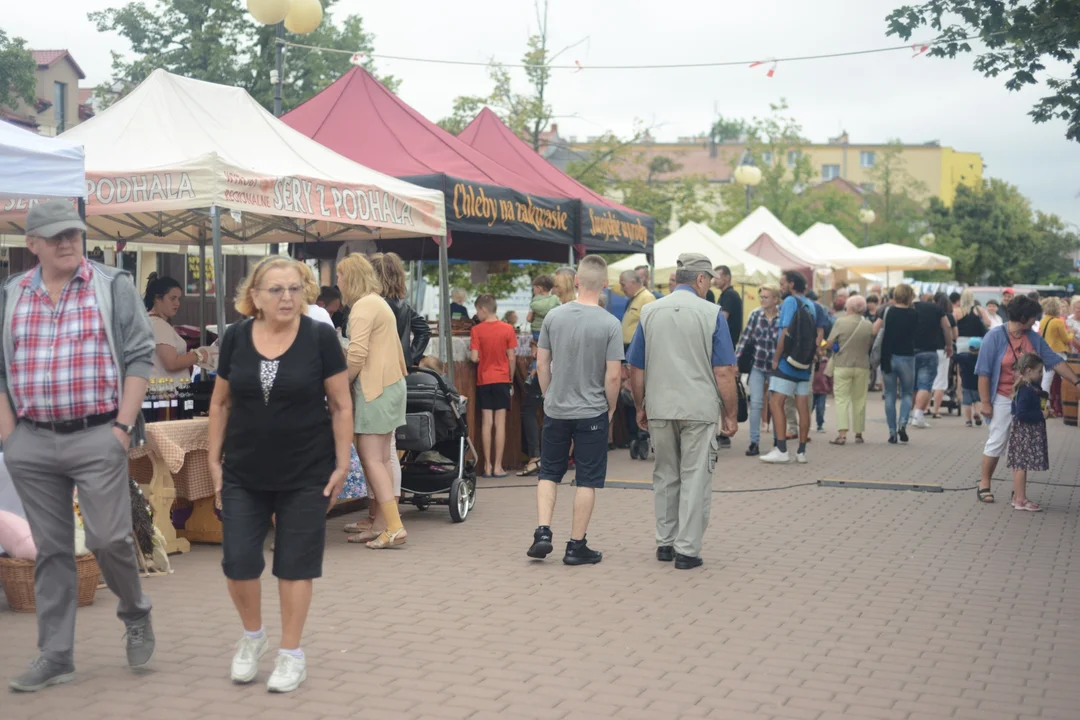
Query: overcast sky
874, 98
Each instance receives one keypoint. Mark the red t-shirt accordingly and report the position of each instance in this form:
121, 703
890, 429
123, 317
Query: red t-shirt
1013, 352
492, 339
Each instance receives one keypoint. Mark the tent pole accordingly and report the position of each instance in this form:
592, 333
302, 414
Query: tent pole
571, 256
219, 267
202, 286
82, 216
446, 349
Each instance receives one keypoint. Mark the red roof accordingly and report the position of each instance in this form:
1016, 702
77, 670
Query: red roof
46, 58
359, 118
490, 135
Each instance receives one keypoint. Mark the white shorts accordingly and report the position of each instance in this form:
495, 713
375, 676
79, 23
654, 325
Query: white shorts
941, 380
998, 440
1048, 375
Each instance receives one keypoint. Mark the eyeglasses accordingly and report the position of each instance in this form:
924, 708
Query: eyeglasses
278, 291
74, 237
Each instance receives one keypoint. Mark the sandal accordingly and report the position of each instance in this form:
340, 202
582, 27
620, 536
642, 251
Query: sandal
532, 468
859, 439
984, 495
386, 540
359, 526
364, 537
838, 441
1027, 505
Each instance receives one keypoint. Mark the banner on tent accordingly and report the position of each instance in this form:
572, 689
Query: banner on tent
606, 225
490, 209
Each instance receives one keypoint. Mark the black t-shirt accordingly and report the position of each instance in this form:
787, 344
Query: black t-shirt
966, 362
710, 295
971, 325
731, 303
278, 436
928, 335
900, 325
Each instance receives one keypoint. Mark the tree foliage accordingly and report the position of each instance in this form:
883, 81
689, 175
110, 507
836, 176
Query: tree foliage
897, 199
17, 68
993, 237
1020, 36
218, 41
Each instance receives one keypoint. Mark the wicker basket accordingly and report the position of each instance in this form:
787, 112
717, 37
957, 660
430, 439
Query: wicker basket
17, 576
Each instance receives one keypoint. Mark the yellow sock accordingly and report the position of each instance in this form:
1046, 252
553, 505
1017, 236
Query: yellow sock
393, 517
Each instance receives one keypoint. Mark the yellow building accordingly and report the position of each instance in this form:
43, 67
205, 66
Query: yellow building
938, 168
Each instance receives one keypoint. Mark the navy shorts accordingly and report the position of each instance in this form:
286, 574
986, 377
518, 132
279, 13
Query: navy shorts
299, 536
590, 439
926, 370
970, 397
493, 397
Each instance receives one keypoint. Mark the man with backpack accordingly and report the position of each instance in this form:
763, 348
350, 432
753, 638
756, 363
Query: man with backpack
801, 332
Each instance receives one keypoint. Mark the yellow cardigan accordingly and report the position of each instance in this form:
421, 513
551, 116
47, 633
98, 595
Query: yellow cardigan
1057, 335
374, 352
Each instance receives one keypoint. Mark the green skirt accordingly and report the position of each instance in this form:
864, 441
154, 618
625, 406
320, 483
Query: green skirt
381, 416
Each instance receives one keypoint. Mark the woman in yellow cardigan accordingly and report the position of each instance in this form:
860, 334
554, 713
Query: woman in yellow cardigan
1057, 336
377, 371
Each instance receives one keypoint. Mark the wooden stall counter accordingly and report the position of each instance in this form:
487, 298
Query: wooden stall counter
175, 466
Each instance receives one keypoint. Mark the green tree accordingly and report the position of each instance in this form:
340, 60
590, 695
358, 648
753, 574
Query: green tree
501, 285
895, 199
17, 68
724, 129
218, 41
993, 237
1020, 36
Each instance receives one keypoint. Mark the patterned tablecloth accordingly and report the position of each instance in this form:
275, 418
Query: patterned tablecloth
460, 346
182, 444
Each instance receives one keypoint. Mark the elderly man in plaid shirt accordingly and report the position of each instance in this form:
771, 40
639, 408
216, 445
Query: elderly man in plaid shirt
75, 355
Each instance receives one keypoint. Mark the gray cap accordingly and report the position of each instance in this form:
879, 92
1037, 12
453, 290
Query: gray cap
696, 262
52, 218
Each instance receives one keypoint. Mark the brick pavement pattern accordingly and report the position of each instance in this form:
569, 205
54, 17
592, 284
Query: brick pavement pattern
813, 604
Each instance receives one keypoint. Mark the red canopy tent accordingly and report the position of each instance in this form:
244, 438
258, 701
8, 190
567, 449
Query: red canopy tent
602, 219
492, 211
768, 249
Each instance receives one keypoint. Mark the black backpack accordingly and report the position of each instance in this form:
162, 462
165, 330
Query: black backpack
801, 342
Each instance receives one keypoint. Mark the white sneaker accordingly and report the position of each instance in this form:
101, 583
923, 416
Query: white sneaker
776, 457
245, 663
288, 673
801, 458
920, 423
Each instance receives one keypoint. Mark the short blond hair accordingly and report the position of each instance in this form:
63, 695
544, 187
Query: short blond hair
1052, 306
592, 273
245, 305
357, 278
904, 294
771, 289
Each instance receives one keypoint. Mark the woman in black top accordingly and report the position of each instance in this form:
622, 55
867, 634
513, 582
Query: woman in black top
277, 451
899, 323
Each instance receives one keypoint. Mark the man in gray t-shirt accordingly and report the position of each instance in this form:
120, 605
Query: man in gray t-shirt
578, 364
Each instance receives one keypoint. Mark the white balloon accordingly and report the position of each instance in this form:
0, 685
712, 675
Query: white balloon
268, 12
304, 16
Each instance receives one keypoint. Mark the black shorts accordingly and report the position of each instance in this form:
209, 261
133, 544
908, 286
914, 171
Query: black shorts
299, 537
590, 450
493, 397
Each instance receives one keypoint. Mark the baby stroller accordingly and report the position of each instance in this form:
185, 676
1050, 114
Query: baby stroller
950, 402
435, 438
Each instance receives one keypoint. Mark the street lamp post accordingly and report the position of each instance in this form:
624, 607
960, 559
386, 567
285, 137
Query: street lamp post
866, 217
749, 176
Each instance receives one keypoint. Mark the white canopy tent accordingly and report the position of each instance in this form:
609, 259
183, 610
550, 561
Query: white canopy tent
889, 258
825, 241
760, 221
33, 167
182, 161
697, 238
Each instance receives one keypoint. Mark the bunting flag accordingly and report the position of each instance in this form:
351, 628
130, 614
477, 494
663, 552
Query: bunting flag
770, 62
357, 59
580, 67
919, 49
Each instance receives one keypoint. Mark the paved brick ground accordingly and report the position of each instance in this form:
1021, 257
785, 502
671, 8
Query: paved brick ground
814, 603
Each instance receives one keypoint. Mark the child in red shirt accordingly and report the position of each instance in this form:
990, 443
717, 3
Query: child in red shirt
494, 345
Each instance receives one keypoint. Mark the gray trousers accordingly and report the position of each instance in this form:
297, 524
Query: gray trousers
682, 482
44, 468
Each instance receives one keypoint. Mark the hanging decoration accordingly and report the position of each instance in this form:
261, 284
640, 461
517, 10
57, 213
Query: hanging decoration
919, 49
771, 62
304, 16
268, 12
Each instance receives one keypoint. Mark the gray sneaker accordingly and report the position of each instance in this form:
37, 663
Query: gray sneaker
42, 674
140, 642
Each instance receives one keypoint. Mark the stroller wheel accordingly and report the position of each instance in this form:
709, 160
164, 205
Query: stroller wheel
422, 504
640, 449
462, 499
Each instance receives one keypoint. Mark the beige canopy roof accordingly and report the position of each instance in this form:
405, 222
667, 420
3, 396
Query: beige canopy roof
158, 159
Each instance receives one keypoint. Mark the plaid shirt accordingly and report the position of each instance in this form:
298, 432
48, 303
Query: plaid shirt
62, 368
764, 333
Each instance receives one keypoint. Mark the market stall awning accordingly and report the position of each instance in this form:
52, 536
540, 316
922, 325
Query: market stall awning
767, 248
698, 238
160, 157
825, 241
493, 212
603, 222
34, 167
761, 221
888, 258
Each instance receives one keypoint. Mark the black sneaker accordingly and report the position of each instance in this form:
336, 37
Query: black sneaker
753, 450
541, 546
903, 434
723, 441
579, 553
978, 422
892, 440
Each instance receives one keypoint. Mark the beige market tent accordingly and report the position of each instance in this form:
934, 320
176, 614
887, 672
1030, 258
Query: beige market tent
888, 258
698, 238
181, 161
825, 241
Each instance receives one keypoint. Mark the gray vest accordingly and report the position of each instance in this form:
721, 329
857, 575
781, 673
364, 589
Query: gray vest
679, 381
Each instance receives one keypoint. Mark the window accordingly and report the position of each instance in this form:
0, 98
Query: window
766, 158
792, 157
866, 158
60, 106
830, 172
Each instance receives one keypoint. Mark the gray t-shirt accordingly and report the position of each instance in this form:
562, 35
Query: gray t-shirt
582, 340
